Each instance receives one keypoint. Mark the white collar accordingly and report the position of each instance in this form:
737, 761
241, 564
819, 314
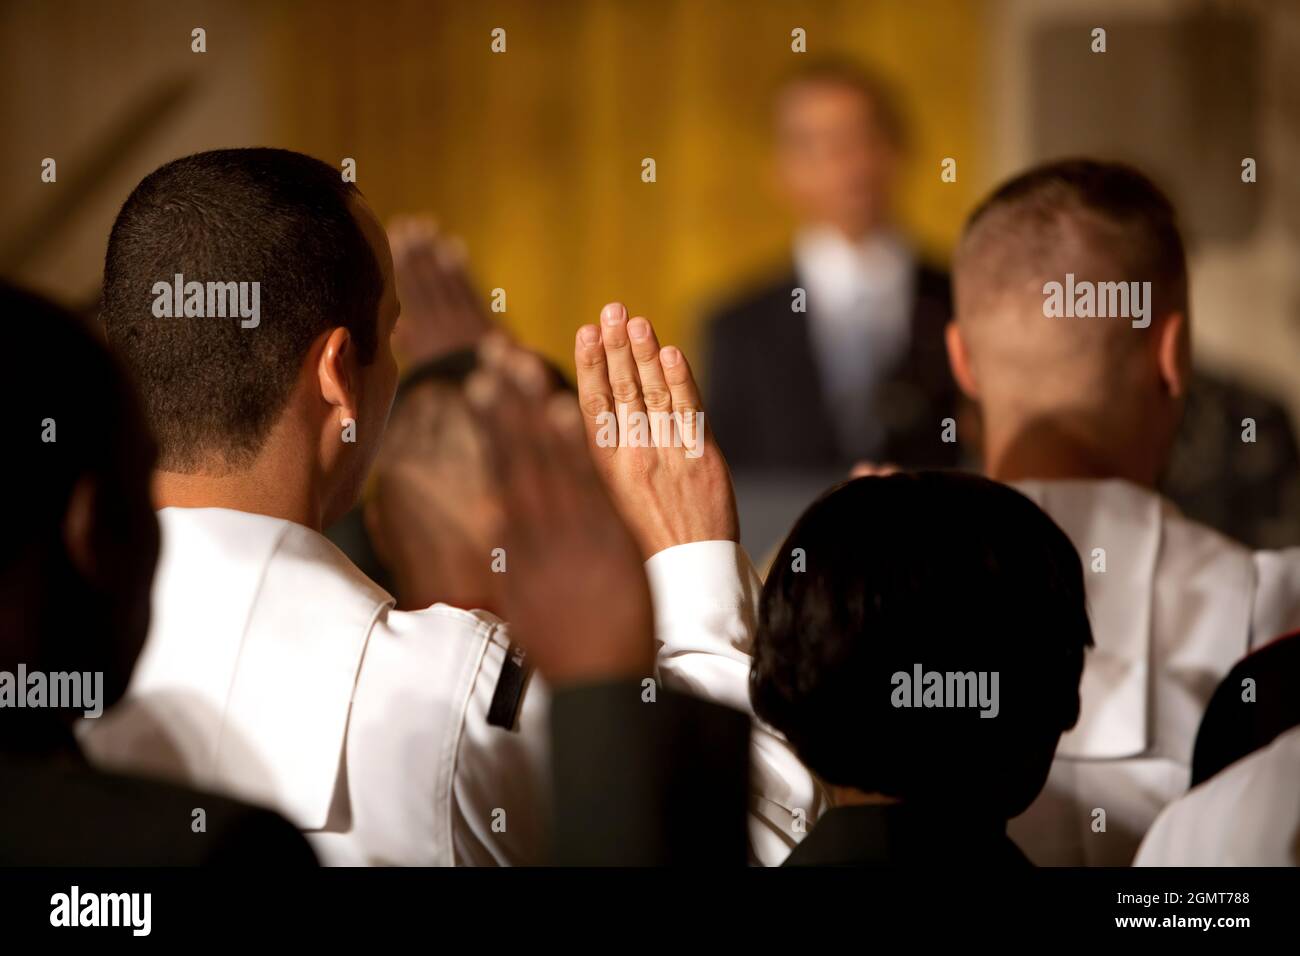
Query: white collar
839, 271
1126, 521
309, 611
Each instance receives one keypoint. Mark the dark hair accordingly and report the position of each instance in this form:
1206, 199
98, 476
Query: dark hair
72, 424
850, 74
1122, 215
81, 424
948, 571
211, 388
454, 368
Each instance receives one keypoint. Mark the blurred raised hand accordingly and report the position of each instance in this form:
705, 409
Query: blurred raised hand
871, 469
574, 588
441, 312
648, 435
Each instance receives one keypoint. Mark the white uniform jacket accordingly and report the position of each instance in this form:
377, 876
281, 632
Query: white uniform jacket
276, 671
1246, 815
1176, 605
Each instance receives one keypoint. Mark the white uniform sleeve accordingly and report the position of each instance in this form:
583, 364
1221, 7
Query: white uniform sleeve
430, 780
500, 799
1246, 815
706, 609
1277, 595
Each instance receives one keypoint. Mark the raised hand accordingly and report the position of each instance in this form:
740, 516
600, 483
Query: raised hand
441, 313
870, 469
574, 588
648, 435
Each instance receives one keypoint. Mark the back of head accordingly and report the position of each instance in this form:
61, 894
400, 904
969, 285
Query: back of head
433, 511
80, 539
431, 508
925, 641
240, 223
1064, 277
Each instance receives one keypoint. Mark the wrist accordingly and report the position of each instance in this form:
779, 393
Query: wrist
608, 665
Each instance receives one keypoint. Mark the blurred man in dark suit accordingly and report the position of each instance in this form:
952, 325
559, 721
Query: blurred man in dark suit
74, 608
840, 356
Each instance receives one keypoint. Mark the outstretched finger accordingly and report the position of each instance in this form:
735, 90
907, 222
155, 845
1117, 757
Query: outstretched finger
688, 410
594, 396
645, 349
624, 382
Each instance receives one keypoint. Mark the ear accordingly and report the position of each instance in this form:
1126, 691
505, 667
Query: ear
959, 362
79, 527
1174, 353
337, 372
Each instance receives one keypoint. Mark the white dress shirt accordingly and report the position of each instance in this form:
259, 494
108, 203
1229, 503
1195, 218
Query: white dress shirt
277, 672
1246, 815
860, 301
1177, 605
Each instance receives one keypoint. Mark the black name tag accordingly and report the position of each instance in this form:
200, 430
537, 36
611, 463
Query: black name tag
504, 710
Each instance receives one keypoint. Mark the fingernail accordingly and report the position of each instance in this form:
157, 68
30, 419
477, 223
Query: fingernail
639, 329
669, 356
612, 314
493, 348
529, 374
589, 335
451, 251
563, 413
480, 390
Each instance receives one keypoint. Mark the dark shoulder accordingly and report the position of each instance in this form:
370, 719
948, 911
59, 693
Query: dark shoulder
74, 815
933, 281
755, 300
1235, 401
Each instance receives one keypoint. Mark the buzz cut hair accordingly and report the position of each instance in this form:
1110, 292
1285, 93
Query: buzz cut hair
211, 389
1076, 215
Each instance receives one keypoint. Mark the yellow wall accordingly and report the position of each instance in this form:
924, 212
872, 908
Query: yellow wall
534, 156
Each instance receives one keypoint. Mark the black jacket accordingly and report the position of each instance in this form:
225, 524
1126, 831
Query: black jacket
56, 810
765, 395
641, 783
897, 835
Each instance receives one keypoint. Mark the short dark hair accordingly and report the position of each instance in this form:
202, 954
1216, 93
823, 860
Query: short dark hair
948, 571
852, 75
454, 369
211, 388
1013, 238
